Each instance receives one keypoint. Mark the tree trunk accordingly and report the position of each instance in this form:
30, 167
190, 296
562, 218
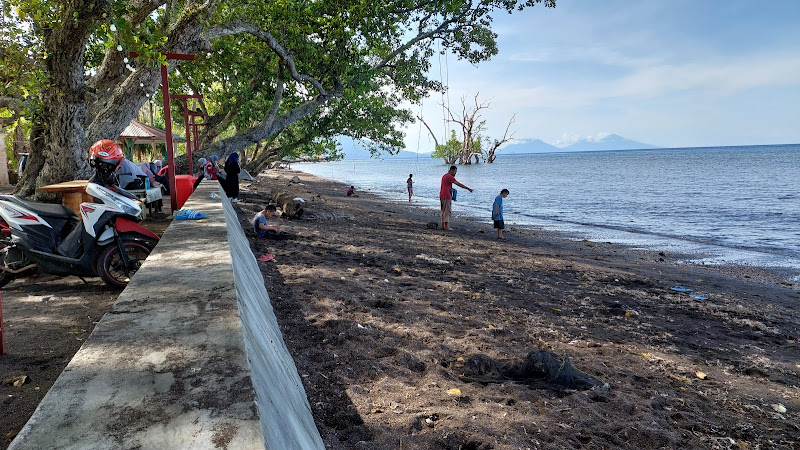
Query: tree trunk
62, 142
286, 202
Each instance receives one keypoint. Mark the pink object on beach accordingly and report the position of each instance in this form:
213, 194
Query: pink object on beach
266, 257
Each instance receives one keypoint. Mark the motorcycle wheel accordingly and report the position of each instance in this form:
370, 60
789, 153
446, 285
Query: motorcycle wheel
111, 268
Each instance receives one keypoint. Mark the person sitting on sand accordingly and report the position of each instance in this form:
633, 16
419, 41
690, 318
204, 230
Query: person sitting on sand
497, 213
446, 196
351, 191
260, 224
410, 185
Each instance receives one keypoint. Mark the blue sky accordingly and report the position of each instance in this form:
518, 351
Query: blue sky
679, 73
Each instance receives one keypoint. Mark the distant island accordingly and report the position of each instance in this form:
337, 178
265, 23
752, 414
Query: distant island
352, 150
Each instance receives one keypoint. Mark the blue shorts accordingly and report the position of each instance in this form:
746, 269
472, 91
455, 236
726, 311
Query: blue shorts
499, 225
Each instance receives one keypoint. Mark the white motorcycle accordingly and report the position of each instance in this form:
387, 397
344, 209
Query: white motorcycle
49, 238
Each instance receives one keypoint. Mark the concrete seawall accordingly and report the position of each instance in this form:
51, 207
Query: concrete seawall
167, 366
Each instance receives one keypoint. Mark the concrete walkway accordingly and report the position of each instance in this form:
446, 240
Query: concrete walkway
166, 367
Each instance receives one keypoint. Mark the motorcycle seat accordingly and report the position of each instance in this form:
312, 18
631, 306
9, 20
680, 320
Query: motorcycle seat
53, 210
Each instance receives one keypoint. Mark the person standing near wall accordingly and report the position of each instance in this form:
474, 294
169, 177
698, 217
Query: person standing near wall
231, 184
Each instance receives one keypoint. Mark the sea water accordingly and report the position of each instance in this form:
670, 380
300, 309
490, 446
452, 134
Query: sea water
720, 205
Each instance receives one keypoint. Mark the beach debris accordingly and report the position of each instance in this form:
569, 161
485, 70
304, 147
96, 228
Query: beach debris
698, 297
700, 374
267, 257
17, 381
430, 421
680, 289
454, 391
397, 270
432, 225
680, 378
778, 408
431, 259
539, 366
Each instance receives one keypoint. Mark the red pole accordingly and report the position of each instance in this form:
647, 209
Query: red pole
173, 189
188, 136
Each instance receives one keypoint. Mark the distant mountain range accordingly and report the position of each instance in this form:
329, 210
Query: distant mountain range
534, 146
353, 150
610, 142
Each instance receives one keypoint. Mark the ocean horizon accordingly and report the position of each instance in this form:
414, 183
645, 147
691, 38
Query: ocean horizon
735, 205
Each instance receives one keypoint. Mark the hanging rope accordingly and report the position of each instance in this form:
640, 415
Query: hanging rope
447, 85
419, 136
441, 81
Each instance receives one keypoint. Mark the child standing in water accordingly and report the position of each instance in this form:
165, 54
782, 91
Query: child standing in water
497, 213
410, 184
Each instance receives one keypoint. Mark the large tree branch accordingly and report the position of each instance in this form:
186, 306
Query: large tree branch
436, 141
443, 28
271, 126
12, 103
112, 69
119, 105
240, 26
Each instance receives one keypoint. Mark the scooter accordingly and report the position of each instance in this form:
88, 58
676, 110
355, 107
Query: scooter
48, 238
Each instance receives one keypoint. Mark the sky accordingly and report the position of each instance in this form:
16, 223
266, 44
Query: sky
678, 73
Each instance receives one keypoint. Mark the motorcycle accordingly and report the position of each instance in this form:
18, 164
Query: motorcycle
49, 238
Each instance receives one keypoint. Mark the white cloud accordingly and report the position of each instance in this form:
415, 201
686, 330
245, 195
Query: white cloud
715, 78
571, 138
653, 81
596, 54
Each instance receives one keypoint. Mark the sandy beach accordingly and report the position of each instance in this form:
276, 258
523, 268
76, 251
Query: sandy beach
410, 337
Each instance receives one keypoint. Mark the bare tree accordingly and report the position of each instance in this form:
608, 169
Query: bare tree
490, 156
472, 141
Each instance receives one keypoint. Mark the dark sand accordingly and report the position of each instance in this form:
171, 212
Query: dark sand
407, 337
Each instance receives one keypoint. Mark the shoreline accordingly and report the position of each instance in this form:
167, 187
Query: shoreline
771, 274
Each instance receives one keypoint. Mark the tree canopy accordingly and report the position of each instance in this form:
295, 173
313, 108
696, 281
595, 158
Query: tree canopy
286, 74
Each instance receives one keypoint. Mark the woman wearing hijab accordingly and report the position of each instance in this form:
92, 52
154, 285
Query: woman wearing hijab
148, 173
231, 184
161, 176
212, 168
201, 173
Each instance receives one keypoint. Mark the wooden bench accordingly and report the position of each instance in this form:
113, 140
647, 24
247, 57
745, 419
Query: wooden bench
73, 193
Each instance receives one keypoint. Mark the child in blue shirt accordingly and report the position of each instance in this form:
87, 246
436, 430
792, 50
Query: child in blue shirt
497, 213
260, 221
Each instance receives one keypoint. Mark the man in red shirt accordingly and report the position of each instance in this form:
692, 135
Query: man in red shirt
446, 198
